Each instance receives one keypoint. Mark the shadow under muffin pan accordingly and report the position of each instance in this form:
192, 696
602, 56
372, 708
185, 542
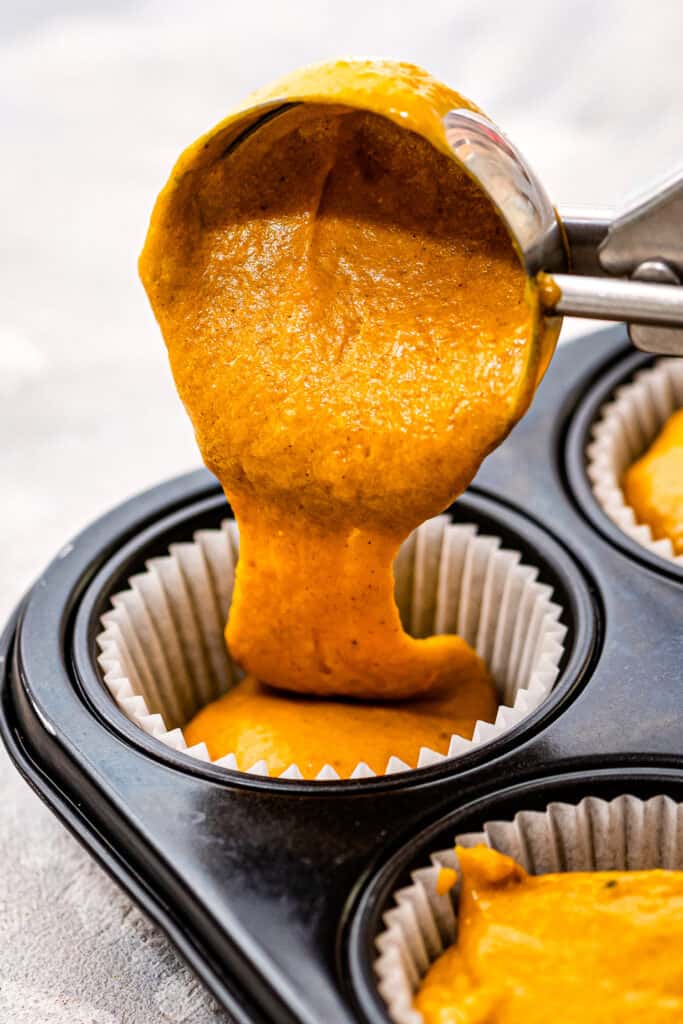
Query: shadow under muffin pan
267, 886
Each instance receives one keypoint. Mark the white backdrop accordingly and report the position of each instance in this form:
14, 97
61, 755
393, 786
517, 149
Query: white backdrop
96, 101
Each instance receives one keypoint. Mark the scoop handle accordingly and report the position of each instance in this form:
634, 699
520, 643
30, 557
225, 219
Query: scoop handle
641, 304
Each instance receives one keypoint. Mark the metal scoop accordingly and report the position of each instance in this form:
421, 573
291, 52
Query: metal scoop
591, 263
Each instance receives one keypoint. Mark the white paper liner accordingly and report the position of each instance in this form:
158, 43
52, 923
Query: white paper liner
595, 835
626, 427
163, 652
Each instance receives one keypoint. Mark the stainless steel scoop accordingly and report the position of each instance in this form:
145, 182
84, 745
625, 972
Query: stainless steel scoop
626, 265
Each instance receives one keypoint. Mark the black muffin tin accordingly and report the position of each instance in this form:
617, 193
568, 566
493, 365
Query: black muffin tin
273, 890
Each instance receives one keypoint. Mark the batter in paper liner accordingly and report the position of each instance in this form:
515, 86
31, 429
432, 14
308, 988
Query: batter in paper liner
256, 723
653, 486
351, 332
588, 947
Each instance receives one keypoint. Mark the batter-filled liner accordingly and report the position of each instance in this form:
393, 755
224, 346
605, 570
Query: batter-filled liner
626, 426
624, 834
163, 652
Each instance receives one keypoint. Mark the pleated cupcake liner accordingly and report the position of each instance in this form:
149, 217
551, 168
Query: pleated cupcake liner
163, 654
626, 427
624, 834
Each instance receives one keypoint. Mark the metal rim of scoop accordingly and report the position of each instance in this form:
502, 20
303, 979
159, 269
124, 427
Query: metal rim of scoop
504, 175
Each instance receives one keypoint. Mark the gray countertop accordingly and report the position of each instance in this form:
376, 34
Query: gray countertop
97, 100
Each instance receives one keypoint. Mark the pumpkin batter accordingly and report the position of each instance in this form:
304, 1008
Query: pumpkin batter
573, 948
653, 485
351, 332
257, 723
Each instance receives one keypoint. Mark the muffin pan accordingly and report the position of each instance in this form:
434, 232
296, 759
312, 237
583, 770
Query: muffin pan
274, 889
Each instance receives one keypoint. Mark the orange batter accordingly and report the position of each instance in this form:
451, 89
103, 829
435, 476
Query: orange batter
257, 723
653, 485
351, 332
603, 947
